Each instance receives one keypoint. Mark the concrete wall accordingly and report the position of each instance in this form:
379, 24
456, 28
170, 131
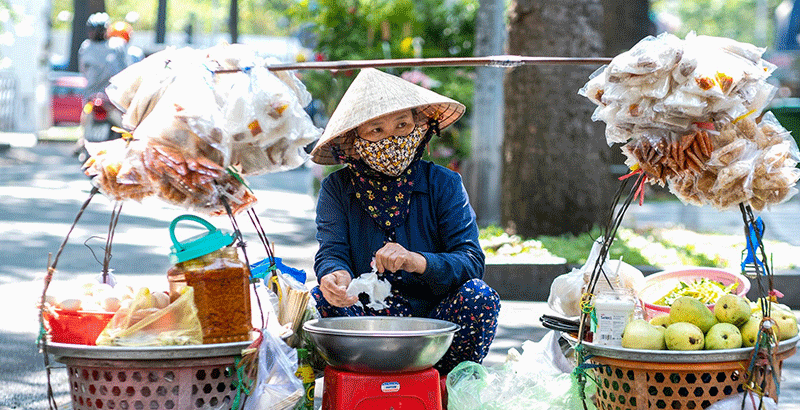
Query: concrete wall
528, 282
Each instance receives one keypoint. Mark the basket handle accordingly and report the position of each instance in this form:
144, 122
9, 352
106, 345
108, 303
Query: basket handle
187, 217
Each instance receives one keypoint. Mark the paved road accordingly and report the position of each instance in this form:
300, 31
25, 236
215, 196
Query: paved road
41, 189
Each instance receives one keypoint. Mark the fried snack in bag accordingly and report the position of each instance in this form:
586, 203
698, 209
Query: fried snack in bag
145, 325
194, 182
116, 169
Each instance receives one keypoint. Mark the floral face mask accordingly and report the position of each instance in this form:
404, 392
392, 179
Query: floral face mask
391, 155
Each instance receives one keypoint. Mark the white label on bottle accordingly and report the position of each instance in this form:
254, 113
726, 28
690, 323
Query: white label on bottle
610, 328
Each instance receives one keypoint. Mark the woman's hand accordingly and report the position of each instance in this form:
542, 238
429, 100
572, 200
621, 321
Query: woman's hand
334, 288
393, 257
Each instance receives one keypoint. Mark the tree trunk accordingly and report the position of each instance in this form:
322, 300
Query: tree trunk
556, 176
233, 21
161, 22
625, 22
82, 10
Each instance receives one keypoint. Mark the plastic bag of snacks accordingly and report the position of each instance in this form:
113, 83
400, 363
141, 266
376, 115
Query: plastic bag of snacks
204, 118
226, 97
116, 168
689, 111
152, 321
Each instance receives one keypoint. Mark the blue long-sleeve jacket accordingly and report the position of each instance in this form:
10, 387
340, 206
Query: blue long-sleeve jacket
441, 227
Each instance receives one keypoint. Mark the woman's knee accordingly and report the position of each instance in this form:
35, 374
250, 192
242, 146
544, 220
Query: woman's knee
477, 289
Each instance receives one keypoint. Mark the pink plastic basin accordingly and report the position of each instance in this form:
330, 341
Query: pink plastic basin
658, 284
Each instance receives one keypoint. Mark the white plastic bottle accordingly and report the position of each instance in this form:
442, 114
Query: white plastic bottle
614, 308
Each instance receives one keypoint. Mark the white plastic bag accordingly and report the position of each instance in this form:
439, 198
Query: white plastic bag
735, 403
565, 293
376, 289
276, 387
567, 289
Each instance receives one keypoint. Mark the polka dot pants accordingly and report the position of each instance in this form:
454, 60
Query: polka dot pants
474, 307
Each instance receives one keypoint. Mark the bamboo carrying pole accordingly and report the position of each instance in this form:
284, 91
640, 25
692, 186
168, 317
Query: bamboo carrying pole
505, 61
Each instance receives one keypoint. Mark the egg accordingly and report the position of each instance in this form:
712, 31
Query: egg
111, 304
72, 305
160, 299
51, 300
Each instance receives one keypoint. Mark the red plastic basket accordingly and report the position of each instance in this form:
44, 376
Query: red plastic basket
81, 327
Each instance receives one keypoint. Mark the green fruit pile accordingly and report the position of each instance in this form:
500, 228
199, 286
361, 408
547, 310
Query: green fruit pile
691, 325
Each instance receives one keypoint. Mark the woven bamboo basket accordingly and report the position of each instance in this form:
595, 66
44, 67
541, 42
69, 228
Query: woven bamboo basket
163, 377
631, 379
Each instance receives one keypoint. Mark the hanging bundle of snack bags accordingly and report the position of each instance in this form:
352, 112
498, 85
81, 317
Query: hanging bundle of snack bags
199, 121
690, 115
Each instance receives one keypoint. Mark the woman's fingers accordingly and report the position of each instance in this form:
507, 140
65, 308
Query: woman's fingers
334, 289
391, 257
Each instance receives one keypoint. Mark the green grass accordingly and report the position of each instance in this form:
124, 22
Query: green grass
576, 249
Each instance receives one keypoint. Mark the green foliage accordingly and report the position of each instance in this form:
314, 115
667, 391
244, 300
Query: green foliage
380, 29
730, 18
576, 248
265, 17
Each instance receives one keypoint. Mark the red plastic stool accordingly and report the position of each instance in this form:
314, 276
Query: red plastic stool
381, 391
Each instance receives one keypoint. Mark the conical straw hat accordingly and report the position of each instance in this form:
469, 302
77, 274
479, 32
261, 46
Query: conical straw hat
372, 94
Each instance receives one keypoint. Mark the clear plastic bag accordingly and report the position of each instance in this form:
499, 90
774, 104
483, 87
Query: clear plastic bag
649, 58
116, 169
225, 105
594, 90
682, 103
146, 82
144, 325
293, 301
277, 387
534, 379
124, 86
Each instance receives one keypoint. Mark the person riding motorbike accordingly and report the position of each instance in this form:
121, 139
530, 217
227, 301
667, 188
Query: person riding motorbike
121, 31
98, 61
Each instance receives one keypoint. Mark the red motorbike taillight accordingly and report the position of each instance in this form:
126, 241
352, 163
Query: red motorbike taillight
98, 111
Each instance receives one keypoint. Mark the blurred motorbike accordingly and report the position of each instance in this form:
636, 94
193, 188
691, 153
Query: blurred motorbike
98, 120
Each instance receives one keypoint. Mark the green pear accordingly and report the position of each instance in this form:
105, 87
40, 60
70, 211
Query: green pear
660, 320
786, 323
732, 309
723, 336
684, 336
640, 334
749, 330
692, 310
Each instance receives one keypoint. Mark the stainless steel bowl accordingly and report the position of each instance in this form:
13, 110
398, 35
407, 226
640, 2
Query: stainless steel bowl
383, 344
